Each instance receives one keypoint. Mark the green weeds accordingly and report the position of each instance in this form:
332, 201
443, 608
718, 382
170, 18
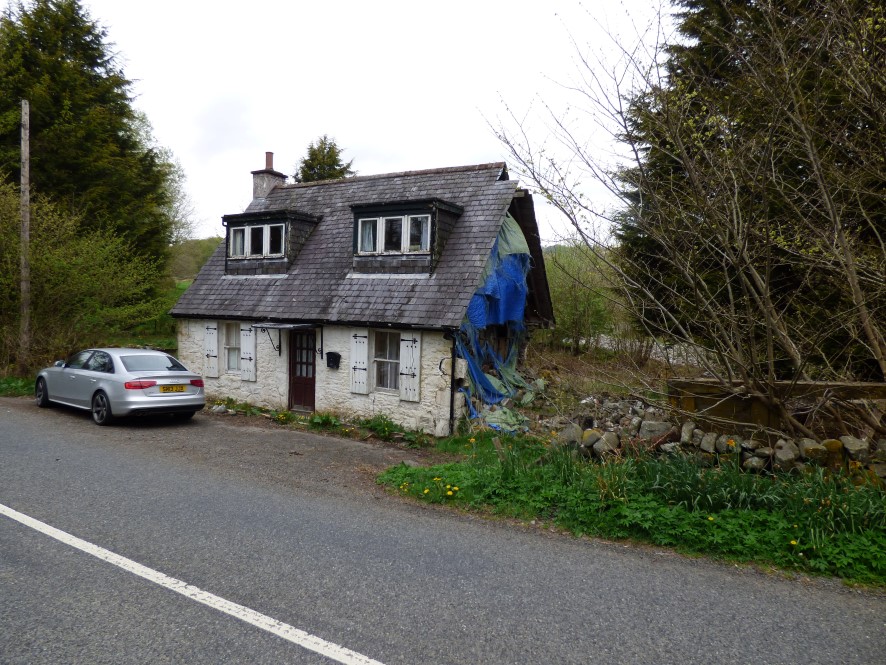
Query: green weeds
11, 386
379, 426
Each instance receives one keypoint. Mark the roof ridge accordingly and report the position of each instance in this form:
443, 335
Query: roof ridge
446, 169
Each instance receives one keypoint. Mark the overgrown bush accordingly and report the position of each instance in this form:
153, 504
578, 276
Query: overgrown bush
85, 286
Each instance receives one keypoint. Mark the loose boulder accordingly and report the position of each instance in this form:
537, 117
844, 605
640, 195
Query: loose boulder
786, 455
812, 450
709, 442
654, 429
856, 449
607, 445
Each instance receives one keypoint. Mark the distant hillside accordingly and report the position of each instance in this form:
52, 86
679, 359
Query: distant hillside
186, 258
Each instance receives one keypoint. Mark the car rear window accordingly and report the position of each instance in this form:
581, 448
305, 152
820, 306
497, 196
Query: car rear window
151, 364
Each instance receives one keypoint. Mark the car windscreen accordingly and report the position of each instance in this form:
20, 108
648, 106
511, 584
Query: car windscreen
145, 363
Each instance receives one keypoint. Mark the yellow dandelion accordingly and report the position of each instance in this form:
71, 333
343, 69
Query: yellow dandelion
437, 479
472, 440
793, 542
710, 518
731, 443
455, 489
449, 493
427, 490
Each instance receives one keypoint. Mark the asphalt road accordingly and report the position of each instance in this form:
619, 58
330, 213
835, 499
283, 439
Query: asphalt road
292, 526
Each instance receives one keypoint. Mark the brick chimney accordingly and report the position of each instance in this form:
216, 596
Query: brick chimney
266, 179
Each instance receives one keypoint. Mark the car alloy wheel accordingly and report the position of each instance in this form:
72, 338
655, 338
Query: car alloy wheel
101, 409
41, 394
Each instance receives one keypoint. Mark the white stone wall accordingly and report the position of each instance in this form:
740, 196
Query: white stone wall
430, 414
271, 387
333, 386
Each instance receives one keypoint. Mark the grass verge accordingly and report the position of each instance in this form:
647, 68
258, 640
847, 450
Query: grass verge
829, 523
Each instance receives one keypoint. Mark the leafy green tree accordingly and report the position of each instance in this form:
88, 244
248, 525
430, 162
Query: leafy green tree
85, 286
88, 151
580, 297
187, 257
323, 162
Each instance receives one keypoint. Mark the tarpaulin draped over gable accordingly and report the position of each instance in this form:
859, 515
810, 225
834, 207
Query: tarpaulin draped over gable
500, 300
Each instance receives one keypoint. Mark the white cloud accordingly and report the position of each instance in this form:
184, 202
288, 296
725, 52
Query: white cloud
401, 85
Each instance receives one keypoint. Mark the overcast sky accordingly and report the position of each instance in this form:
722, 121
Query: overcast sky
399, 85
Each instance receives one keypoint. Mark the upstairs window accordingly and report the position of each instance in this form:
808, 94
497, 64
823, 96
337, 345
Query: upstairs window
263, 240
402, 234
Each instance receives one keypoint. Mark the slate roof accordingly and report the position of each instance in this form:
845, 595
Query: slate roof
317, 288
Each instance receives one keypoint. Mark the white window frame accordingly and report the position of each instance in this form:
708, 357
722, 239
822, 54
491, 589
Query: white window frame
406, 224
378, 361
246, 243
425, 243
230, 339
373, 224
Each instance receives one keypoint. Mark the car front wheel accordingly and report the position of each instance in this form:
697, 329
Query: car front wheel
101, 409
41, 394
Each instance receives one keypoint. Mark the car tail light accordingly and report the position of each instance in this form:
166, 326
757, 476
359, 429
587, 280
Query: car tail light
139, 385
197, 382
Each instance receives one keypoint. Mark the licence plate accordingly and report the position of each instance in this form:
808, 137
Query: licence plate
172, 389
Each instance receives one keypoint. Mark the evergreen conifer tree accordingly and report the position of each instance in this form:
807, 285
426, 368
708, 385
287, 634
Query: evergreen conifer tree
88, 152
323, 162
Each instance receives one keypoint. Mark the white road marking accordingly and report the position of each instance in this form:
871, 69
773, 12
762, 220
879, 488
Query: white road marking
287, 632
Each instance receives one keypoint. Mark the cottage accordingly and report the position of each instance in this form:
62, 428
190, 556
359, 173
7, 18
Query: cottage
390, 294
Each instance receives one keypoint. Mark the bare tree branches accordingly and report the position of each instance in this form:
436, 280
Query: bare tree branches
751, 188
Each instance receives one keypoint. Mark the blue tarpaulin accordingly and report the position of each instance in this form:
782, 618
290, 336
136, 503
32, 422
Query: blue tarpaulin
499, 301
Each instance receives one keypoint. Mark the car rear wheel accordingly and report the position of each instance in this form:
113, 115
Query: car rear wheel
101, 409
41, 394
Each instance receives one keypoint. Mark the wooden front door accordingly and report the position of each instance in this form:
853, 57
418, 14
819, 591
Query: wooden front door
302, 355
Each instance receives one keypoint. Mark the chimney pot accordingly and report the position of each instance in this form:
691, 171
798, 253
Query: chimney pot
269, 161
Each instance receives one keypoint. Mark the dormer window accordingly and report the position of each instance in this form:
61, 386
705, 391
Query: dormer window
258, 241
402, 234
401, 237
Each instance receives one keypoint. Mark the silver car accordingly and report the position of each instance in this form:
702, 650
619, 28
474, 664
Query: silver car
121, 382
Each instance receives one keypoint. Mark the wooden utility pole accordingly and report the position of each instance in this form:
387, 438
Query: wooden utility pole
24, 347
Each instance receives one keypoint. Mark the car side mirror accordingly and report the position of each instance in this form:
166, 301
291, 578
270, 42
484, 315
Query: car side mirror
59, 363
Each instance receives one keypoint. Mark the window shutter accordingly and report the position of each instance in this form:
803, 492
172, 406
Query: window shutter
410, 365
247, 352
210, 350
360, 361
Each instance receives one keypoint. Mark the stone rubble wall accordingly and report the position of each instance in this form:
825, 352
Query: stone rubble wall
429, 415
610, 426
